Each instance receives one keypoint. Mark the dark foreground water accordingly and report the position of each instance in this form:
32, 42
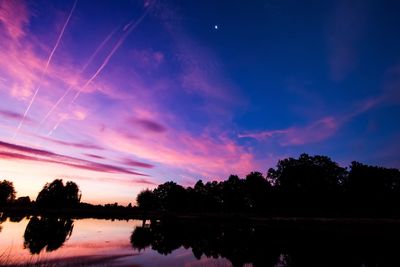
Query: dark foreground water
92, 242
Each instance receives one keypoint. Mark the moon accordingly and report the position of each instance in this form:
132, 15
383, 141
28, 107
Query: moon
216, 26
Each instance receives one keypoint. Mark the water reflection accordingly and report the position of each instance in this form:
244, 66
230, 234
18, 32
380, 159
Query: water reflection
46, 232
2, 219
277, 245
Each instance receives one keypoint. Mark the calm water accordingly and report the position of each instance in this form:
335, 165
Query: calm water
93, 242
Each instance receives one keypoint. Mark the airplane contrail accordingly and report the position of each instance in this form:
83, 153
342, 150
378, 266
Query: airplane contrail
45, 68
106, 60
115, 48
102, 44
60, 120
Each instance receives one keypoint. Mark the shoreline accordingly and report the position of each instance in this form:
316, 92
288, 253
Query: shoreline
134, 214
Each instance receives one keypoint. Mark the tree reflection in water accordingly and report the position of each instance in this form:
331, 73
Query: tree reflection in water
46, 232
315, 244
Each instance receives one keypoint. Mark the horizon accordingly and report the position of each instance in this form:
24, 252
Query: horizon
120, 97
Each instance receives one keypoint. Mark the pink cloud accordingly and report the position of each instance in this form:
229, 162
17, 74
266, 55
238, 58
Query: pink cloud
13, 115
312, 133
134, 163
84, 145
18, 152
14, 17
204, 155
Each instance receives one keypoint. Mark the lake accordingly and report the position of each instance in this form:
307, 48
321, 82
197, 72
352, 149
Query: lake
95, 242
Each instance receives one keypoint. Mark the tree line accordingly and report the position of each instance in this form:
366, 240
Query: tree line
53, 195
307, 185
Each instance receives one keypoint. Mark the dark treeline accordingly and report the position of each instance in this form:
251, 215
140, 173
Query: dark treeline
57, 198
306, 186
278, 244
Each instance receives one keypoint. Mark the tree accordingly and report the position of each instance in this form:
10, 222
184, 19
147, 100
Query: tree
233, 195
171, 196
257, 190
146, 200
364, 179
308, 174
56, 195
7, 192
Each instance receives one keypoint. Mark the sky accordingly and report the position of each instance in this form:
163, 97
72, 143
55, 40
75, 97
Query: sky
120, 96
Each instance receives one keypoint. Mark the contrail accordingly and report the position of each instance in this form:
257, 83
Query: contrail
57, 124
102, 44
45, 68
115, 48
106, 60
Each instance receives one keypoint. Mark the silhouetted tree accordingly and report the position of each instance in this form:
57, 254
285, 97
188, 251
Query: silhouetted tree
46, 232
369, 180
23, 202
146, 200
7, 192
233, 194
304, 186
258, 191
56, 195
171, 196
308, 174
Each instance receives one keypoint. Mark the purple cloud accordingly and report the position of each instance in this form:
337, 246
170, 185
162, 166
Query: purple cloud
73, 144
94, 156
18, 152
149, 125
13, 115
134, 163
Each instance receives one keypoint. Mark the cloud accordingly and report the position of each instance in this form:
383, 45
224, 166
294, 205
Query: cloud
13, 115
14, 17
312, 133
18, 152
316, 131
149, 125
134, 163
148, 59
203, 155
94, 156
84, 145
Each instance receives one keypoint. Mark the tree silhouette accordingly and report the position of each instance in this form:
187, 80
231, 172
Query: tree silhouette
364, 179
46, 232
56, 195
258, 191
7, 192
147, 200
171, 196
303, 186
308, 174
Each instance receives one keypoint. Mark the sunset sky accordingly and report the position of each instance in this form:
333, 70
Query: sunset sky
119, 96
